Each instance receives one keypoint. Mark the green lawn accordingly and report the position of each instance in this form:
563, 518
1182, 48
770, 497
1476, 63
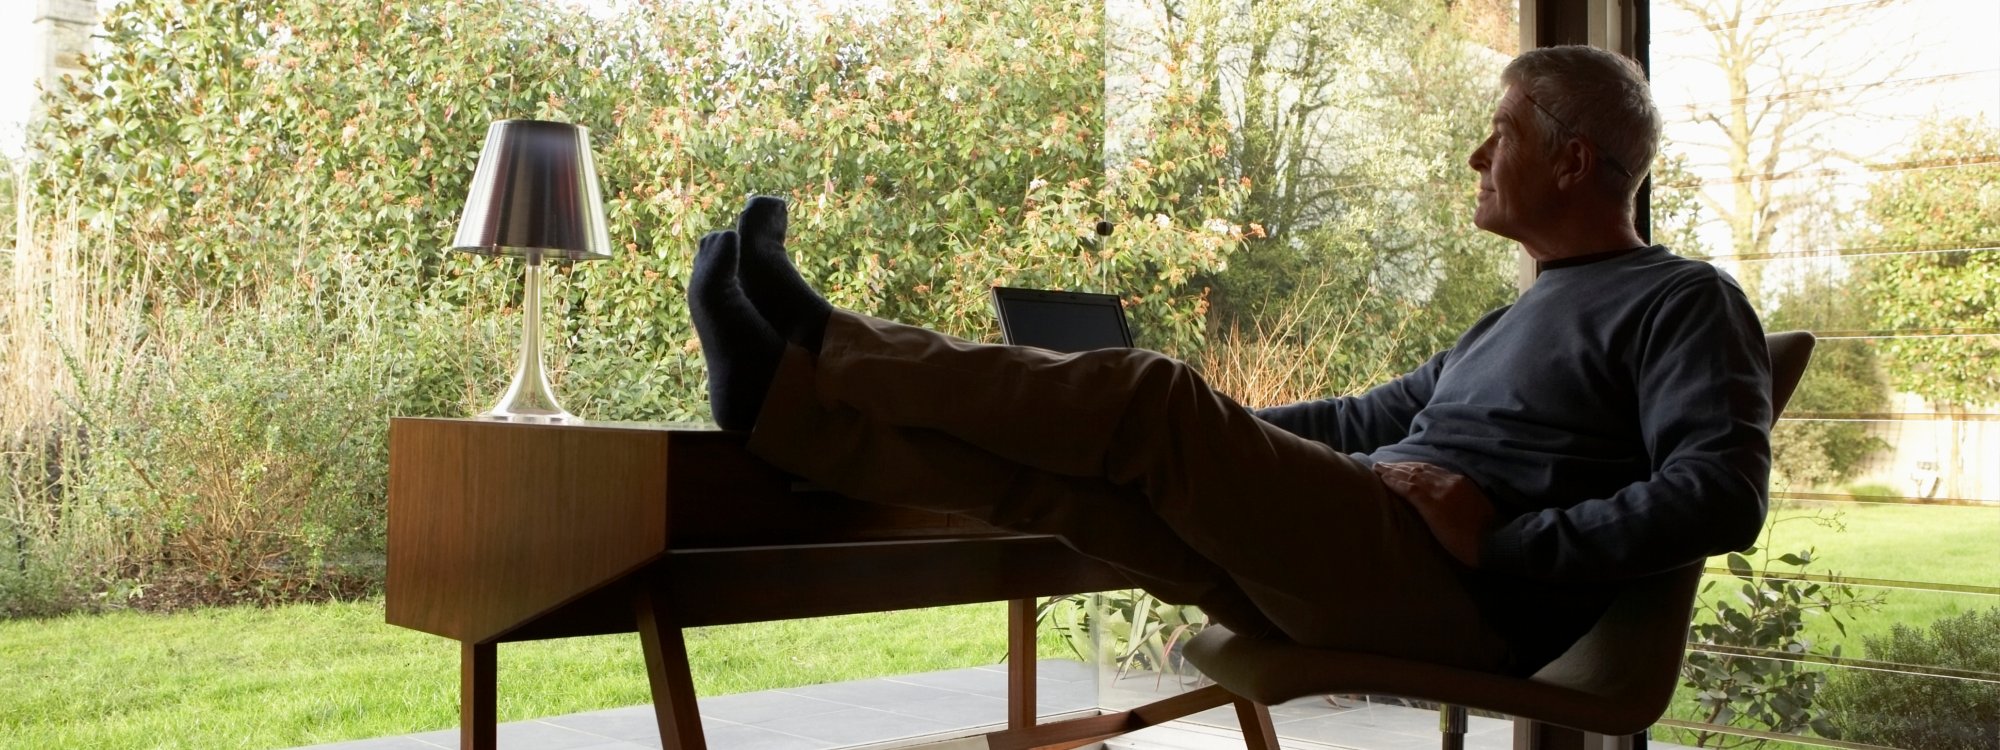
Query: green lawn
307, 674
1924, 543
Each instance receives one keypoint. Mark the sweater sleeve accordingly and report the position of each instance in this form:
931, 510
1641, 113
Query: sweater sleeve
1362, 423
1703, 381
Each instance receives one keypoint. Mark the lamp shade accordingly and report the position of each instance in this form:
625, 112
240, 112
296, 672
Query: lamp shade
535, 195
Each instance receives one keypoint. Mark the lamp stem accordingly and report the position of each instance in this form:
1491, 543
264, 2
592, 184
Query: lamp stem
529, 398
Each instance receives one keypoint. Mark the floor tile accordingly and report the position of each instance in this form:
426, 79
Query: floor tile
742, 737
956, 709
885, 693
379, 743
976, 681
533, 735
856, 726
752, 708
632, 723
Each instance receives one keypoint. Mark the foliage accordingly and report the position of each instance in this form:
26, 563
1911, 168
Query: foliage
1743, 663
10, 182
1137, 630
242, 455
214, 453
1351, 121
1846, 377
1295, 353
929, 152
1951, 282
1896, 708
1676, 204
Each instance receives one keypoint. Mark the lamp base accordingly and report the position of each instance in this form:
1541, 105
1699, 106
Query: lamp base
504, 413
529, 398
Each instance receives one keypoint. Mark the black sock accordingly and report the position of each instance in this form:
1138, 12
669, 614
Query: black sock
741, 349
773, 284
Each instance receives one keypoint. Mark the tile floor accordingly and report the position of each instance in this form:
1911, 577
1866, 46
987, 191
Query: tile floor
911, 709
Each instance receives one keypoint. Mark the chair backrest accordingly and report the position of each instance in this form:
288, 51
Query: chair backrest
1634, 652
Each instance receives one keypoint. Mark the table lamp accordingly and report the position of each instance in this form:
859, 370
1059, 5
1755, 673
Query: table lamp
535, 197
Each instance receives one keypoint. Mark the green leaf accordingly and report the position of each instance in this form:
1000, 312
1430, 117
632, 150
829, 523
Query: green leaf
1739, 566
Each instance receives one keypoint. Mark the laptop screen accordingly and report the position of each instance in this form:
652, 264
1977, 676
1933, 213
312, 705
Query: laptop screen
1061, 321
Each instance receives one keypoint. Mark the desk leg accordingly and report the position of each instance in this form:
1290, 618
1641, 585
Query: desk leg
1020, 663
477, 718
667, 669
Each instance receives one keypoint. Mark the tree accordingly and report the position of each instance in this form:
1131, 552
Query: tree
1676, 203
1787, 76
1941, 221
1846, 377
1349, 124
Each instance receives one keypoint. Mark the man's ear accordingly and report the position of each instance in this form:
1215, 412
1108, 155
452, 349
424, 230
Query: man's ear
1573, 163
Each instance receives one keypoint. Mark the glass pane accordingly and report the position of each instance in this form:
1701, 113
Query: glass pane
1849, 193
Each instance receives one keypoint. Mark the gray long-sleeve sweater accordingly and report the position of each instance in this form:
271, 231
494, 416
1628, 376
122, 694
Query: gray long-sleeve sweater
1616, 415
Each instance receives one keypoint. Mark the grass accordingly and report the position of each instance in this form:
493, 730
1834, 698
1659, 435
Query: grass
1921, 543
308, 674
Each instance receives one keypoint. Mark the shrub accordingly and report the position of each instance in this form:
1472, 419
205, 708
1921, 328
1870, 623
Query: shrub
201, 451
1746, 637
1910, 709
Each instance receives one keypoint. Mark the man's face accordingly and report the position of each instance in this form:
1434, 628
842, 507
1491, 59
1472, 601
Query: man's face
1516, 179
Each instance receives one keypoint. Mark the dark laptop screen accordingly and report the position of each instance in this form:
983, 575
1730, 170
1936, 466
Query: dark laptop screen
1061, 321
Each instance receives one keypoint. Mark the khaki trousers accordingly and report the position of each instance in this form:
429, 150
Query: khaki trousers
1131, 459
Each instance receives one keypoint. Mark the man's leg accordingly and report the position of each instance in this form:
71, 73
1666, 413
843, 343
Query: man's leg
850, 455
1308, 533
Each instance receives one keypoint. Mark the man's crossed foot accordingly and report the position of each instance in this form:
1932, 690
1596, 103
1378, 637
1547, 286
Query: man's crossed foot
747, 300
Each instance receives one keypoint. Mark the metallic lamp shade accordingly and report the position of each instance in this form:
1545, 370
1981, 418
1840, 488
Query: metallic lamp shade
535, 195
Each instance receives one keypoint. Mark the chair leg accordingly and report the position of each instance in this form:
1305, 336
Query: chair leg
1255, 719
1452, 725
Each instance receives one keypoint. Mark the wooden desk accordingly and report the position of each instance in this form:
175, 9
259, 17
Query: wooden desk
504, 532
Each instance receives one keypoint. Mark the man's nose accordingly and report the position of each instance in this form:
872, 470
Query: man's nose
1477, 160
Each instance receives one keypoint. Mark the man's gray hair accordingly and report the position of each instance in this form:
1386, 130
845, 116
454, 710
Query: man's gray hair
1597, 94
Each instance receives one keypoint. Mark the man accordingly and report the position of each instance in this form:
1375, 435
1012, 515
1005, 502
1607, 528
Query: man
1478, 511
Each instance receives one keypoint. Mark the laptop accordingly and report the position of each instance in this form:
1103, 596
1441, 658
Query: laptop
1061, 321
